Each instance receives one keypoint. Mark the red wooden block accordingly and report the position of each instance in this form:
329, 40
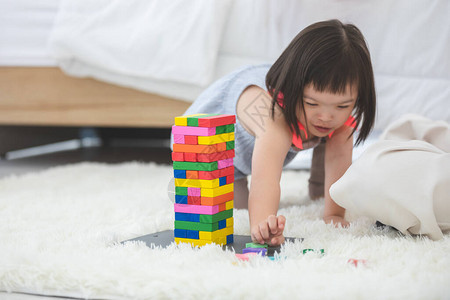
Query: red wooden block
230, 178
216, 173
215, 121
190, 157
191, 139
209, 157
226, 171
177, 156
194, 200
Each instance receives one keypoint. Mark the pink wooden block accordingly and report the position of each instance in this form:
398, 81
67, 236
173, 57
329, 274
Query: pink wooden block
190, 130
221, 164
196, 209
193, 191
178, 139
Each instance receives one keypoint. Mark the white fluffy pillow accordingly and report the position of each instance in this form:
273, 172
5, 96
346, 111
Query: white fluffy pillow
403, 180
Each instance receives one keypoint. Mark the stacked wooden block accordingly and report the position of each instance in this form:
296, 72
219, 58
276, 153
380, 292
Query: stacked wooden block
203, 152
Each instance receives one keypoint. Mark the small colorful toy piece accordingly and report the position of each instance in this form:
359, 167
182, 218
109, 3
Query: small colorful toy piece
203, 152
256, 245
254, 249
245, 256
357, 262
322, 251
262, 251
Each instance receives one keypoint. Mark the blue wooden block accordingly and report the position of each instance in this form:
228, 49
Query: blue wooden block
179, 174
192, 234
180, 233
222, 181
230, 239
182, 217
187, 217
181, 199
222, 224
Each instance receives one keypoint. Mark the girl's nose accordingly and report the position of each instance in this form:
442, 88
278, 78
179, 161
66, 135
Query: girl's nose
325, 116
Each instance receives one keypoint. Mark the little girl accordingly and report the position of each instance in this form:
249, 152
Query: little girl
318, 92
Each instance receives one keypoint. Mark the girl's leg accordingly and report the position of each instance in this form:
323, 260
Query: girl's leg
317, 177
241, 193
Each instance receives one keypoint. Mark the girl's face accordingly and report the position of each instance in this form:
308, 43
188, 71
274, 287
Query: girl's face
325, 111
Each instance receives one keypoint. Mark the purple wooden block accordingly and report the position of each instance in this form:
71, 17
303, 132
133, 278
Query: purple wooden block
263, 251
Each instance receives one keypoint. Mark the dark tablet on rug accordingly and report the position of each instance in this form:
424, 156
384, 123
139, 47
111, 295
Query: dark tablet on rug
165, 238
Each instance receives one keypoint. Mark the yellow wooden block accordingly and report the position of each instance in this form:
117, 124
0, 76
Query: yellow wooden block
229, 205
230, 222
214, 235
216, 139
205, 192
219, 241
181, 121
197, 183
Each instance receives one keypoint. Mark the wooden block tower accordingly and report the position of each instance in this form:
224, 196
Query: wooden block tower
203, 152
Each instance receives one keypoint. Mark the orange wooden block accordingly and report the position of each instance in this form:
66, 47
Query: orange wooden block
199, 148
191, 174
210, 201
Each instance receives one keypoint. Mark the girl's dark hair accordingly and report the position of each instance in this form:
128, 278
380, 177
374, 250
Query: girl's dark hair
329, 55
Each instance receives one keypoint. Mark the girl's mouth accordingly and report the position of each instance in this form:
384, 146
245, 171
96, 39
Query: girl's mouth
322, 129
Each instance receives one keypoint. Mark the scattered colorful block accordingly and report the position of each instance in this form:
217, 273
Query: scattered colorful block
321, 251
262, 251
357, 262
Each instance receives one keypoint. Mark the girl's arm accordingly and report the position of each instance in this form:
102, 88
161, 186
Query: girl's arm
272, 142
338, 158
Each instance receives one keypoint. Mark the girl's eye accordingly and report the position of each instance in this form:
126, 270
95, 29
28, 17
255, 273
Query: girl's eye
311, 104
343, 106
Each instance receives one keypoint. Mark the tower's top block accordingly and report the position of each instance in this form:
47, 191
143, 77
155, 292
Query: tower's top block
205, 120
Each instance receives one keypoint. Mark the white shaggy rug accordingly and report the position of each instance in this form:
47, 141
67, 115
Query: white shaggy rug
60, 234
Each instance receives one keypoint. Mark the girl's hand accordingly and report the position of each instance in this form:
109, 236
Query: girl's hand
269, 231
336, 221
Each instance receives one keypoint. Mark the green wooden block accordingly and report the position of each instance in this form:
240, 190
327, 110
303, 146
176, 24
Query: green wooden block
230, 145
256, 245
195, 166
225, 129
230, 128
221, 129
196, 226
193, 121
216, 217
180, 190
